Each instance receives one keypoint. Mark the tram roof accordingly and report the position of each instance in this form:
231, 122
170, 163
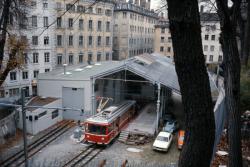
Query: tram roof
107, 115
154, 67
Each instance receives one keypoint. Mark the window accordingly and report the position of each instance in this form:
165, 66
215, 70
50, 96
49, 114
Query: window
35, 73
211, 58
70, 23
80, 8
90, 25
206, 37
108, 26
35, 57
162, 30
99, 11
12, 76
161, 49
46, 40
33, 4
14, 92
213, 37
80, 58
220, 58
89, 57
59, 22
124, 14
99, 26
47, 70
45, 5
212, 48
80, 40
90, 10
34, 40
34, 21
46, 57
80, 24
45, 21
71, 59
107, 41
2, 93
205, 47
99, 41
59, 40
108, 12
70, 40
169, 39
42, 114
107, 56
54, 114
169, 49
25, 57
59, 59
70, 7
90, 42
162, 39
99, 56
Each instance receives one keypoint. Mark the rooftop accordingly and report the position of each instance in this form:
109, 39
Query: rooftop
154, 67
135, 8
40, 101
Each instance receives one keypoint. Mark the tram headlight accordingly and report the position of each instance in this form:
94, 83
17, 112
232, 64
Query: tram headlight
87, 136
102, 138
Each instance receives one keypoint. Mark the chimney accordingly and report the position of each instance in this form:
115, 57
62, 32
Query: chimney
64, 68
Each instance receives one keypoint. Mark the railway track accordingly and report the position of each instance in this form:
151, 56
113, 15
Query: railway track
18, 158
84, 157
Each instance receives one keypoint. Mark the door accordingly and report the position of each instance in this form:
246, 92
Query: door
73, 98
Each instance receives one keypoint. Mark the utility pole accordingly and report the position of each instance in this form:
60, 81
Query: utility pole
24, 128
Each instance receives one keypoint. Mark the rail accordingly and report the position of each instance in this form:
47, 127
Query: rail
18, 158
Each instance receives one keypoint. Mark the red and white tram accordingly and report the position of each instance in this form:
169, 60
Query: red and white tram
103, 127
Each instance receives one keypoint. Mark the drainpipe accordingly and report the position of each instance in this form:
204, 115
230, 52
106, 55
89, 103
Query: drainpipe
158, 107
93, 97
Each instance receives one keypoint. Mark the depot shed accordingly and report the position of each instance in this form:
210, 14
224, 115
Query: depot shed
148, 78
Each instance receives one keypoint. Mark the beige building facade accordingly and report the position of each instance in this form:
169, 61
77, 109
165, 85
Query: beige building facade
210, 33
162, 39
84, 33
133, 30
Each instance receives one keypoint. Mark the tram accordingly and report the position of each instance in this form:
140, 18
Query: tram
103, 127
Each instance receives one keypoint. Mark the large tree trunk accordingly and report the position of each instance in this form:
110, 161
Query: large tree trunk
4, 23
194, 83
231, 80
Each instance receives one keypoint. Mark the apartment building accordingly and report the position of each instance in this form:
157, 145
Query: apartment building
210, 33
133, 30
39, 55
162, 38
84, 34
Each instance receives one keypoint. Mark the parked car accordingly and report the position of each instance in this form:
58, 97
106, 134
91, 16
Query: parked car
169, 117
171, 126
163, 141
181, 135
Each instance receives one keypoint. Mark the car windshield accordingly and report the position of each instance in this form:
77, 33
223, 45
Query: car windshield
96, 129
162, 138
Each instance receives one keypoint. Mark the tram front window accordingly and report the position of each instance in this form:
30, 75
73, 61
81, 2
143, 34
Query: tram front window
96, 129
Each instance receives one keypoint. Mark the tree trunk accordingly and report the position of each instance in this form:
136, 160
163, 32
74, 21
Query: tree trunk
5, 17
231, 80
194, 83
3, 25
246, 50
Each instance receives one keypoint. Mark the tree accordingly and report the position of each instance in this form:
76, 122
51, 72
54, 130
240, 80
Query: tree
194, 83
228, 21
11, 9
